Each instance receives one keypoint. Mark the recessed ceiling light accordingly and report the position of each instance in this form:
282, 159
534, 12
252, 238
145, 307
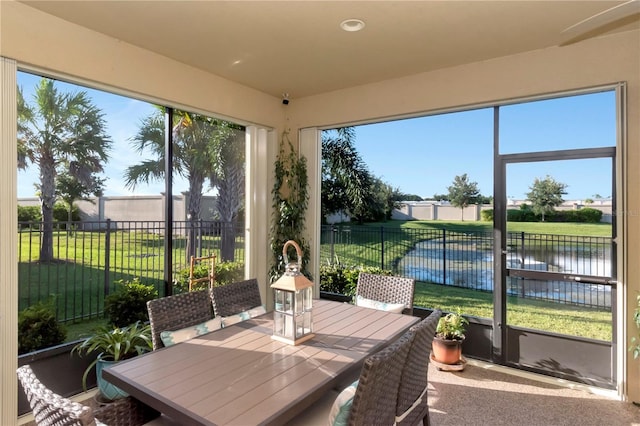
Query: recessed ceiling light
352, 25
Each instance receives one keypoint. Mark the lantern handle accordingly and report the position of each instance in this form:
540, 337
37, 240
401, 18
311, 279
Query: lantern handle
298, 252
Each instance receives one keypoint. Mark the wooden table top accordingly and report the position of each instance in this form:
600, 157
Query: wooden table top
239, 375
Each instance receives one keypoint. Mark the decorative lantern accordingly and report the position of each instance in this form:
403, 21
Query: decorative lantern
293, 293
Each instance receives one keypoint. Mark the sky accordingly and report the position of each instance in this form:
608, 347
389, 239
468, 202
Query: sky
422, 156
419, 156
123, 116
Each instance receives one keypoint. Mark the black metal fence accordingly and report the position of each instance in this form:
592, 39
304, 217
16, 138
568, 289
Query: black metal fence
90, 257
465, 259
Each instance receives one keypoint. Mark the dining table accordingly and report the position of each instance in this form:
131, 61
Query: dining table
240, 375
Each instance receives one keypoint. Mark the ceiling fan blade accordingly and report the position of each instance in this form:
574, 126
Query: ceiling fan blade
583, 29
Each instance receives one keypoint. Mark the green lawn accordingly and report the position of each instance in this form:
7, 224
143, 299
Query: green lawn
77, 278
554, 228
548, 316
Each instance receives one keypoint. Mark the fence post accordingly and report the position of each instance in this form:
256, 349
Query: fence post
332, 244
199, 239
444, 256
522, 256
382, 248
107, 250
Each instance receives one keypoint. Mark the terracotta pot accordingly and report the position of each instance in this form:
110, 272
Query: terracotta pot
447, 351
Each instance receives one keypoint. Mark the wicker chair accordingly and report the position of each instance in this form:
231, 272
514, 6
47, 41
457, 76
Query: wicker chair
50, 408
178, 311
413, 406
231, 299
374, 401
387, 289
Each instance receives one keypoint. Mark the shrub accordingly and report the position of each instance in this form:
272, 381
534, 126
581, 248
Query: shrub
585, 215
38, 327
228, 272
29, 214
486, 215
589, 215
128, 305
224, 273
524, 214
61, 213
344, 279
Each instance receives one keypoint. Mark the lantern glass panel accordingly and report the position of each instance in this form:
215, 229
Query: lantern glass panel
283, 316
284, 301
303, 315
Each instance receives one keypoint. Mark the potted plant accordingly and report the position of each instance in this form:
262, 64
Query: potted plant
447, 343
113, 345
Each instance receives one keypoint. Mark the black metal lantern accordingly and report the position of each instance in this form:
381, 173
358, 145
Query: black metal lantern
293, 293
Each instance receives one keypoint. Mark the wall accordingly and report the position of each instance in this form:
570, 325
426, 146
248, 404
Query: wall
136, 207
433, 211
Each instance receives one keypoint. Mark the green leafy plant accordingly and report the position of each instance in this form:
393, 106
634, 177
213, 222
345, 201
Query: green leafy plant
337, 278
38, 327
290, 195
635, 342
129, 303
115, 344
452, 326
224, 273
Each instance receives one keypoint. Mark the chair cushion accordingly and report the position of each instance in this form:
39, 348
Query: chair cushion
171, 337
339, 414
382, 306
243, 316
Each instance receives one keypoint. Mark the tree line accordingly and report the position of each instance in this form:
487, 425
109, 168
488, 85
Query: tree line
349, 187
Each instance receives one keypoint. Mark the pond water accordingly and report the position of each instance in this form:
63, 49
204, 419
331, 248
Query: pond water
469, 264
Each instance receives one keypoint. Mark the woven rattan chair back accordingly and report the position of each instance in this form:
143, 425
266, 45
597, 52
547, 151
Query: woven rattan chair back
231, 299
178, 311
50, 408
374, 401
413, 406
388, 289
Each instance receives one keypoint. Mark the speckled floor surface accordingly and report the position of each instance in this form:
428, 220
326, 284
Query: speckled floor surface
484, 395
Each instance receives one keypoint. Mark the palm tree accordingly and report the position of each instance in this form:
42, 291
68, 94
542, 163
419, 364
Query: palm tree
60, 132
197, 141
228, 177
346, 181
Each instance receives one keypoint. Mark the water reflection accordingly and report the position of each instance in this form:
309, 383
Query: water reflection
468, 263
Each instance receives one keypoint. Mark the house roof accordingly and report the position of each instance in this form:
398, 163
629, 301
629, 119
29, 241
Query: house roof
298, 47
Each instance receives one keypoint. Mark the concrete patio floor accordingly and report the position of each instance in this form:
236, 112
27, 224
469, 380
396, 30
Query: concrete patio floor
485, 394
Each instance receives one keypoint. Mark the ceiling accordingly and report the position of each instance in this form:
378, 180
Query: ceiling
298, 47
